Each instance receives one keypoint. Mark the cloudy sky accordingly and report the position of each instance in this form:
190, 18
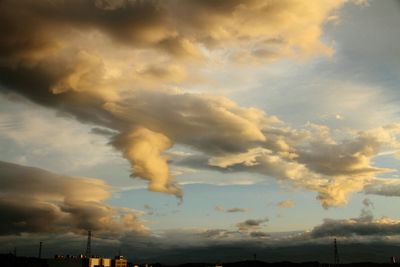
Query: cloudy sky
178, 127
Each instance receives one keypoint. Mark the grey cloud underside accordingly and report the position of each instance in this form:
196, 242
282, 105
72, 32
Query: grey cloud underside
37, 201
356, 227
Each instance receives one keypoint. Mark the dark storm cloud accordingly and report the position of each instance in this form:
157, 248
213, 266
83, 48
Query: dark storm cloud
33, 200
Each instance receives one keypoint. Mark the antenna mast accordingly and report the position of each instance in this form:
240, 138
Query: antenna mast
88, 246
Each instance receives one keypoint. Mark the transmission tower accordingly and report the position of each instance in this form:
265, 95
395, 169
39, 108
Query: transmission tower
88, 246
335, 253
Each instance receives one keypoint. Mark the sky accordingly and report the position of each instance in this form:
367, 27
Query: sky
197, 130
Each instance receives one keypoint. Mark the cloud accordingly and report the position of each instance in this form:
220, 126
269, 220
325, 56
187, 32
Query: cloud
218, 233
317, 162
143, 148
348, 163
287, 203
266, 24
119, 65
170, 25
383, 187
220, 208
362, 226
37, 201
102, 131
195, 245
26, 125
355, 154
257, 234
251, 224
368, 203
234, 210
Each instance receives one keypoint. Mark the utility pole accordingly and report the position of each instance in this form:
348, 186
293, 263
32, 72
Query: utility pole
336, 253
40, 250
88, 246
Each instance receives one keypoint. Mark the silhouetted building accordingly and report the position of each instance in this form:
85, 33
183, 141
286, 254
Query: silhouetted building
10, 260
68, 261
